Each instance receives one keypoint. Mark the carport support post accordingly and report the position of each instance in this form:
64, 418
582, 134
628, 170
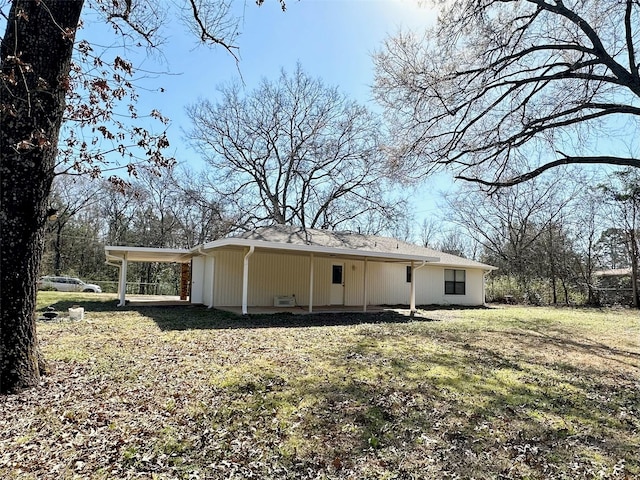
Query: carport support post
245, 280
364, 287
412, 298
311, 284
185, 280
122, 284
412, 301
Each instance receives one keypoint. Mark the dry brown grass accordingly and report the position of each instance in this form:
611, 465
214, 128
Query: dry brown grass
190, 393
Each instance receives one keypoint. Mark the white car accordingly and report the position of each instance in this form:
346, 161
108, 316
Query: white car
66, 284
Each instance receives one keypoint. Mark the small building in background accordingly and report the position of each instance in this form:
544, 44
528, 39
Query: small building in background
613, 286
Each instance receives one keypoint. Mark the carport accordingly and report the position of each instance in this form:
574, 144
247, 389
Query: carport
120, 257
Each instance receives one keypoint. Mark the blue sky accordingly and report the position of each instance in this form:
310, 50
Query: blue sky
332, 39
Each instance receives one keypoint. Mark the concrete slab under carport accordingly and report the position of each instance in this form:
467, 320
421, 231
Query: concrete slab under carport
156, 301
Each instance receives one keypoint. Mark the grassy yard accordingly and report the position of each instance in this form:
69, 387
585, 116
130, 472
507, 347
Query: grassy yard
182, 392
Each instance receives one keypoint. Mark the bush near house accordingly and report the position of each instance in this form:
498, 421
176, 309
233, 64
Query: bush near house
506, 289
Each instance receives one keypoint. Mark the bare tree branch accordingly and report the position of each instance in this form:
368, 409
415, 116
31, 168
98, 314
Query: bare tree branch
498, 84
222, 11
566, 160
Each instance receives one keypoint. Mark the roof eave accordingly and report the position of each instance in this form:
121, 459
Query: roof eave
317, 249
145, 254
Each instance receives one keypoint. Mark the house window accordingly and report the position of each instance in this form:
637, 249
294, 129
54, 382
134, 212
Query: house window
336, 274
408, 273
454, 282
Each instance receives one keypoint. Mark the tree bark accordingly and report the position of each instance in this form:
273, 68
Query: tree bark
35, 61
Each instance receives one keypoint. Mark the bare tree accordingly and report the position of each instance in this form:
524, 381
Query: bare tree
509, 224
294, 151
501, 91
70, 195
587, 228
200, 212
154, 222
555, 260
454, 241
613, 245
429, 229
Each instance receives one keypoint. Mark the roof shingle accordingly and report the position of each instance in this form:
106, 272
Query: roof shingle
354, 241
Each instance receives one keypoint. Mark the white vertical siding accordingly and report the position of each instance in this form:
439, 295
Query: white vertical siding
270, 275
430, 287
354, 281
322, 281
388, 284
228, 278
273, 274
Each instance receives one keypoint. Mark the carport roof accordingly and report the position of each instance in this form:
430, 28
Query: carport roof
147, 254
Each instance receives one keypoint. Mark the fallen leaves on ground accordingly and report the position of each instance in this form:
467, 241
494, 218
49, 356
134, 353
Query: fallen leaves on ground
195, 394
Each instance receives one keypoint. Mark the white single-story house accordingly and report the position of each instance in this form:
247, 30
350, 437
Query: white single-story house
286, 266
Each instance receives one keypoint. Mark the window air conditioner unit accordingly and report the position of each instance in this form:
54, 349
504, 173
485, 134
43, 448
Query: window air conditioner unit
284, 301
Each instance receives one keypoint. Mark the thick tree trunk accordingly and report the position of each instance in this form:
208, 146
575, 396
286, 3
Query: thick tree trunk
35, 60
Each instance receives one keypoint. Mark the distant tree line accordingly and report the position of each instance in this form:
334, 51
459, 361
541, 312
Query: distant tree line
152, 211
550, 236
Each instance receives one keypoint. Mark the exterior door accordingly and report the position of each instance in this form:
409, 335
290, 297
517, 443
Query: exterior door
197, 279
337, 284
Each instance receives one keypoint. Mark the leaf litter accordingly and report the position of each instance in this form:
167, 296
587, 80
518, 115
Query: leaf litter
471, 395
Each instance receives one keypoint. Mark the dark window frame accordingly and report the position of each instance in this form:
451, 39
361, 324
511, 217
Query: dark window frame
334, 276
455, 286
408, 274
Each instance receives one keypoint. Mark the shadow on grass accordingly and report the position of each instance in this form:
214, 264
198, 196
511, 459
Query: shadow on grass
532, 409
567, 340
97, 305
197, 317
186, 318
